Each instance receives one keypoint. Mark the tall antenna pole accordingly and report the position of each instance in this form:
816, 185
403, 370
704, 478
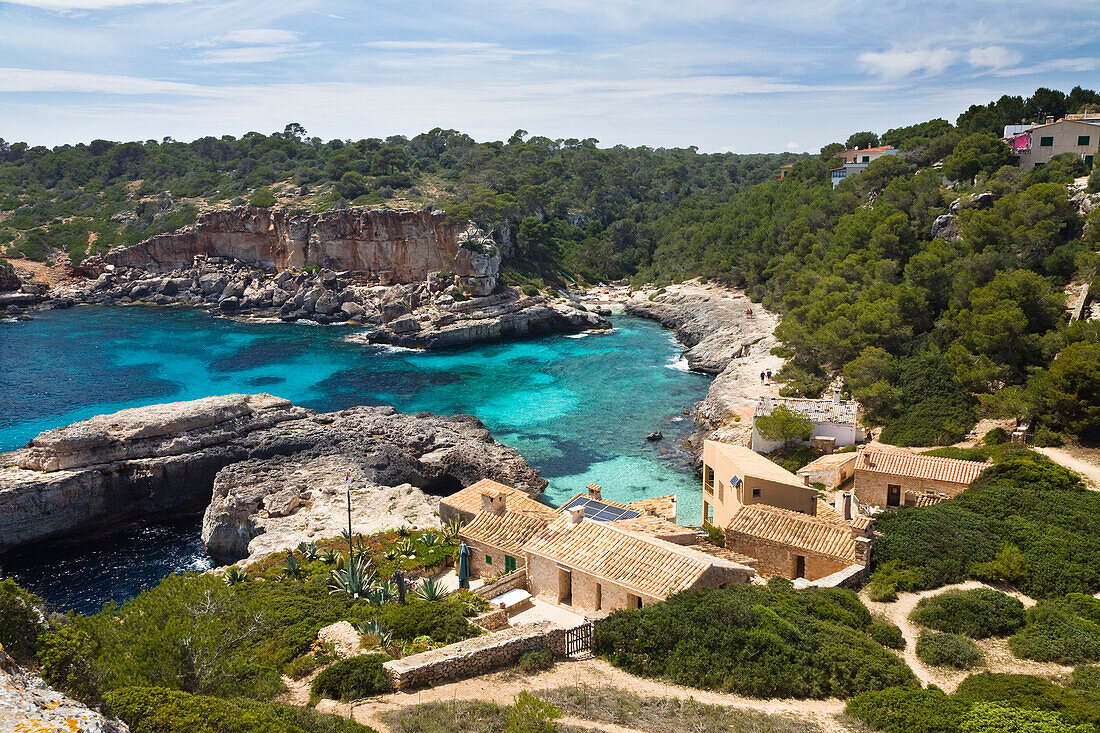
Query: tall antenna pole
351, 547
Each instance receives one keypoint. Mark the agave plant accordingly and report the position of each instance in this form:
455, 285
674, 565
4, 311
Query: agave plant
355, 581
374, 628
404, 531
432, 590
429, 539
235, 575
308, 550
451, 529
406, 547
380, 594
293, 568
328, 556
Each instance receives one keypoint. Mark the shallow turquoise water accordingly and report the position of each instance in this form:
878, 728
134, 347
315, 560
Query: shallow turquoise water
577, 407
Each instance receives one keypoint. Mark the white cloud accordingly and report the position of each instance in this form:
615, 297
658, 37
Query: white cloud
15, 80
70, 5
992, 57
897, 64
792, 146
259, 37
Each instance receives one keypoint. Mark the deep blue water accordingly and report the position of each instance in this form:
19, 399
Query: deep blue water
577, 407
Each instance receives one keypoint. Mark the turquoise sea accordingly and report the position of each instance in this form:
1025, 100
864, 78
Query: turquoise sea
578, 407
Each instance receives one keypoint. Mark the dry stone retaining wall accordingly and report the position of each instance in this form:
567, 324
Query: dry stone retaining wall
475, 656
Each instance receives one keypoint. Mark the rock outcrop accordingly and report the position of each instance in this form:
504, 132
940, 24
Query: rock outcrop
389, 246
444, 321
275, 461
722, 339
8, 279
28, 704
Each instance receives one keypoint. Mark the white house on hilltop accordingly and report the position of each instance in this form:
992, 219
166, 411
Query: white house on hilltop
836, 421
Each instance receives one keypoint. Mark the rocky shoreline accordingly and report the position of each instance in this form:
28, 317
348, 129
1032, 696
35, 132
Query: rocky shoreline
727, 335
270, 474
419, 283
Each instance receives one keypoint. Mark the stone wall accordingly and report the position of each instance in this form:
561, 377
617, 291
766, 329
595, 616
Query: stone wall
588, 593
494, 620
777, 559
475, 656
870, 487
508, 582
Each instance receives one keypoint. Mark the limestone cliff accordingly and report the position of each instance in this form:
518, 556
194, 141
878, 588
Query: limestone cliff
28, 704
390, 246
95, 474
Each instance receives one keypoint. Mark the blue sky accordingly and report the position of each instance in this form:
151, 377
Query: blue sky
740, 75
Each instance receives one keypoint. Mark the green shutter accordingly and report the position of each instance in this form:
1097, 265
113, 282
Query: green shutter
509, 563
488, 559
1083, 140
1046, 142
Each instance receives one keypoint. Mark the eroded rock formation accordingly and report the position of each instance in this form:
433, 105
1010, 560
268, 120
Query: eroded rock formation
390, 246
277, 461
28, 704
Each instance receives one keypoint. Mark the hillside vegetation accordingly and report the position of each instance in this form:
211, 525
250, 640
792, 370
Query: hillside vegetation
929, 333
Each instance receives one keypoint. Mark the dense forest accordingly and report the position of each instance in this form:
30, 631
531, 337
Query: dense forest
929, 333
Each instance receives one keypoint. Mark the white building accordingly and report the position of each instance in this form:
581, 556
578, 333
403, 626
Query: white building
836, 420
856, 160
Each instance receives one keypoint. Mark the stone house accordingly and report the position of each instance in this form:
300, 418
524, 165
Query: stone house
889, 478
836, 422
1037, 145
593, 565
796, 545
832, 470
489, 495
734, 476
496, 541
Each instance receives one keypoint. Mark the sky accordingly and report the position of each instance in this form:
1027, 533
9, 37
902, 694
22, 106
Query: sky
734, 75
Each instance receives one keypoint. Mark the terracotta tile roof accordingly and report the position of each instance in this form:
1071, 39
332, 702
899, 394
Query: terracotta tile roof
794, 529
662, 506
754, 464
879, 149
650, 566
912, 498
468, 500
831, 460
914, 465
654, 526
508, 531
845, 412
861, 522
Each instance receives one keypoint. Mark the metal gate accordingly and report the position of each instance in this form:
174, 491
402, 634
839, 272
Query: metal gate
579, 639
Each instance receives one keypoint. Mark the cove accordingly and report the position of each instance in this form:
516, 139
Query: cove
577, 407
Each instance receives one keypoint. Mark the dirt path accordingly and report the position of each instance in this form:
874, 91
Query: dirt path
501, 687
998, 657
1085, 463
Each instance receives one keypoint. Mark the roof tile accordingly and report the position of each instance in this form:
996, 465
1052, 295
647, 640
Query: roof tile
914, 465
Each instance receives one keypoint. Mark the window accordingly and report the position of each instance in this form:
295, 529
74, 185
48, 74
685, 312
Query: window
799, 566
509, 563
708, 478
633, 601
756, 493
1046, 142
1088, 161
1082, 139
866, 158
488, 559
721, 491
708, 513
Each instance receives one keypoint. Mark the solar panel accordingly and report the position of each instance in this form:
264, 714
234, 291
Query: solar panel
601, 512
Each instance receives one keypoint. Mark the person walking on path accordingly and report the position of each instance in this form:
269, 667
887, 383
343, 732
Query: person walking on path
761, 377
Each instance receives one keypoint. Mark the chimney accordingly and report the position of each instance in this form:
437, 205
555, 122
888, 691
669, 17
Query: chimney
1050, 119
595, 491
846, 506
836, 396
494, 502
576, 515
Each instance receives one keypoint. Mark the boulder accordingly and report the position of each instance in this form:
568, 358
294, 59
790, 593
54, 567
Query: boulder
28, 704
282, 503
8, 279
945, 227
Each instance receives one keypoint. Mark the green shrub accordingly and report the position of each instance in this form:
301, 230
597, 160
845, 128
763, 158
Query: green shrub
989, 717
444, 621
978, 613
158, 710
1008, 565
887, 634
947, 650
996, 436
353, 678
908, 710
1027, 501
263, 198
1086, 680
771, 641
536, 660
1030, 693
530, 290
529, 714
794, 456
21, 620
891, 577
1065, 630
1046, 438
